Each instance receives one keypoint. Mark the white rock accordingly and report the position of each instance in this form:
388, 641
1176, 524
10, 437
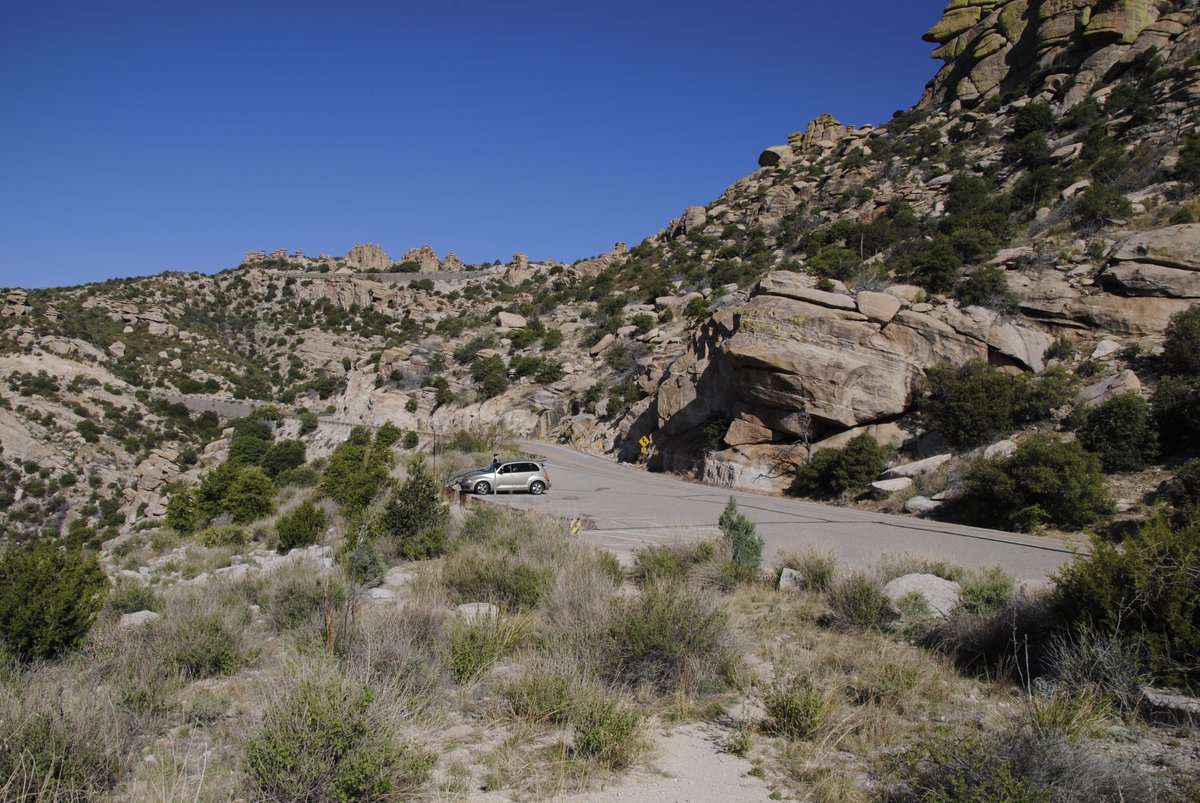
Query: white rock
379, 594
140, 618
893, 485
919, 505
790, 580
940, 594
1105, 348
918, 467
477, 611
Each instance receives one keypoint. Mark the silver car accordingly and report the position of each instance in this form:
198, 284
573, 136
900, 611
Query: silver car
505, 475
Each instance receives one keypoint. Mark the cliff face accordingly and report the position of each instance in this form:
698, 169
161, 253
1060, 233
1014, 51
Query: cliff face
996, 46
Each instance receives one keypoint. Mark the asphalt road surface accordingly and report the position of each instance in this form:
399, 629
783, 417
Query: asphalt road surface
624, 507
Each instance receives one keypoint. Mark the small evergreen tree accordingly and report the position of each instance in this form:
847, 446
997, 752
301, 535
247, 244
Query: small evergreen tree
416, 514
301, 527
251, 496
48, 599
1119, 431
743, 540
1181, 349
183, 515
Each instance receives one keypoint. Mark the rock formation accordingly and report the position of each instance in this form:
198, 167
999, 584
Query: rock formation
368, 257
425, 257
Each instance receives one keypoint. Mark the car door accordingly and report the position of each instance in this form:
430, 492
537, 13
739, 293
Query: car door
506, 477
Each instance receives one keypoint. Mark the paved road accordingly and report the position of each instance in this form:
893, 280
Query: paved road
628, 507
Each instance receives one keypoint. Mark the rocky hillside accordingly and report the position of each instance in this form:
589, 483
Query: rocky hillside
1037, 207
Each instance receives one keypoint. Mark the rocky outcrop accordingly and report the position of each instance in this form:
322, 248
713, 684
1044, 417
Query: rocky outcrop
14, 304
994, 46
425, 258
368, 257
1163, 262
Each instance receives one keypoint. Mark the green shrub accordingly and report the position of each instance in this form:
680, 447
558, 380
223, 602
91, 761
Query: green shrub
816, 571
1099, 205
987, 592
213, 487
1183, 490
669, 637
1046, 482
328, 740
969, 405
250, 496
657, 562
478, 643
302, 527
131, 596
543, 694
364, 563
1146, 589
742, 539
226, 535
986, 286
283, 456
183, 514
1176, 411
858, 601
356, 471
795, 707
295, 595
1033, 118
1120, 432
830, 472
308, 422
610, 733
1181, 348
48, 599
416, 517
475, 574
492, 375
201, 645
411, 439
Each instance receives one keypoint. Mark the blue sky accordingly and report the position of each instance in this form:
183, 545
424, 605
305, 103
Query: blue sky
139, 137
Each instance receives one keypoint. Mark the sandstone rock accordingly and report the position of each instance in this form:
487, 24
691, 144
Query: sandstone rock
799, 286
1003, 448
742, 433
601, 345
880, 307
368, 256
941, 595
887, 434
776, 155
1172, 247
477, 611
694, 219
886, 487
790, 580
1139, 278
132, 621
1105, 348
1125, 382
764, 467
920, 505
510, 320
918, 467
424, 257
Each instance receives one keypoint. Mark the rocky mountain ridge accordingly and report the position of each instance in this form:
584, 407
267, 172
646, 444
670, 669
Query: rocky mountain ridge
801, 307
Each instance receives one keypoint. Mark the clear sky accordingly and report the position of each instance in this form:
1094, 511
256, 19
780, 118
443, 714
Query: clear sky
137, 137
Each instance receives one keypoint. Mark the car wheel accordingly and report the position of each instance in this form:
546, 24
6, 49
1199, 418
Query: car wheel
536, 487
482, 488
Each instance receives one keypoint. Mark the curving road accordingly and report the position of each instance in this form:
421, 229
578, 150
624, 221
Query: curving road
625, 507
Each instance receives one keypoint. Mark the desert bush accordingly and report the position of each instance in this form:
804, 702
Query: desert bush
302, 527
1086, 661
1176, 411
477, 643
492, 375
544, 693
986, 286
477, 573
356, 471
969, 405
416, 517
1016, 766
657, 562
742, 540
609, 732
250, 496
200, 644
1146, 589
328, 739
183, 514
1183, 490
364, 563
669, 637
225, 535
48, 599
1099, 205
795, 707
1181, 347
830, 472
1010, 642
1046, 482
858, 601
1033, 118
816, 570
130, 596
283, 456
296, 595
1120, 432
987, 591
60, 741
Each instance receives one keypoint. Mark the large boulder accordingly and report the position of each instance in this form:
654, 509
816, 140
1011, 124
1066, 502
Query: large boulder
941, 595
